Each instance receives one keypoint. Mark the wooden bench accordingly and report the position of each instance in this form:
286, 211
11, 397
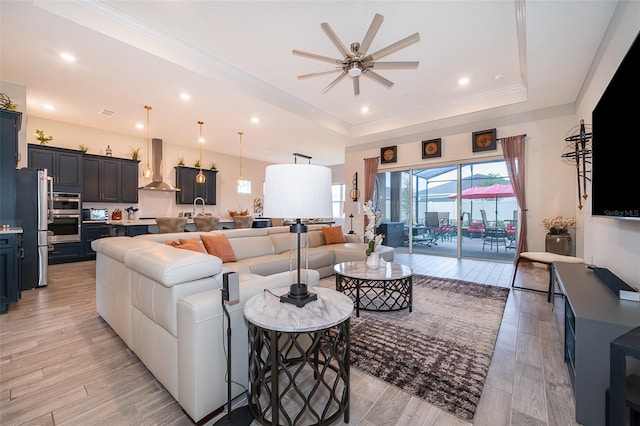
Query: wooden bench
547, 259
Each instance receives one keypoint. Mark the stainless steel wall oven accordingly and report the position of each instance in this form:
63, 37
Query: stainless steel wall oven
66, 215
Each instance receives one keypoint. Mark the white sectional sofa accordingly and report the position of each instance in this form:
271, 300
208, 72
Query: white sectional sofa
165, 303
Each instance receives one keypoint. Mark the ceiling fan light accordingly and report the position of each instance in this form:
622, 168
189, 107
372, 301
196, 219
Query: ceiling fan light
354, 70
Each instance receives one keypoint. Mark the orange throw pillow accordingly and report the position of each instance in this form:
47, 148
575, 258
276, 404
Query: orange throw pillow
218, 245
193, 244
333, 235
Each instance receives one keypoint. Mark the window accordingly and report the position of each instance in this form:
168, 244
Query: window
337, 200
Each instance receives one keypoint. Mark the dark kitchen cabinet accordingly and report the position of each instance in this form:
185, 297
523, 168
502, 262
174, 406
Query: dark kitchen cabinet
190, 189
9, 270
110, 179
101, 179
91, 232
10, 123
64, 165
129, 181
65, 253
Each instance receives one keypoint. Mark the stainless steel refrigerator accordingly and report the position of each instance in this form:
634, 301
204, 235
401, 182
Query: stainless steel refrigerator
33, 195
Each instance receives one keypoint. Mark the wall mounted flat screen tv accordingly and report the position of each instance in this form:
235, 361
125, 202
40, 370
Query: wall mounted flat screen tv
615, 171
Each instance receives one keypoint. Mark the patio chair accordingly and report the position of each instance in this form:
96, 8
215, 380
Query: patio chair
431, 224
493, 234
444, 230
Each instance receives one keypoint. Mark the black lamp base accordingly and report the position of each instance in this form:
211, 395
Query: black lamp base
298, 295
241, 416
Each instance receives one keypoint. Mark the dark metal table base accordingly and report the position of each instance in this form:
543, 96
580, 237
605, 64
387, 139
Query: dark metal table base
377, 295
280, 367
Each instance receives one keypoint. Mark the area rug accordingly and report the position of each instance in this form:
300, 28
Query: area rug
441, 351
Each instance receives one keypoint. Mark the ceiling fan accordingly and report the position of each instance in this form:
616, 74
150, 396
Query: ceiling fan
356, 61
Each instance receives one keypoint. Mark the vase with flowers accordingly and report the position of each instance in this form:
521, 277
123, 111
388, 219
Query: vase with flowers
558, 239
131, 212
373, 240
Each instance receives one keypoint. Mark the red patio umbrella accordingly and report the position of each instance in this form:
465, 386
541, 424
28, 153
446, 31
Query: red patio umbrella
496, 191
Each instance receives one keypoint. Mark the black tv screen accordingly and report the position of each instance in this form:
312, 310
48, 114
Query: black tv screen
615, 172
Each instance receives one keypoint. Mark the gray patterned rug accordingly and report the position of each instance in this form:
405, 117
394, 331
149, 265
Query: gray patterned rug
442, 350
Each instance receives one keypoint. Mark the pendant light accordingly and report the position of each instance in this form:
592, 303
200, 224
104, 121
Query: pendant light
244, 186
147, 171
200, 178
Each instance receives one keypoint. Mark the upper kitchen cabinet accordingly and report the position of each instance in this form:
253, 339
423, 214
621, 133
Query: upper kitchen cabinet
110, 179
10, 123
101, 179
65, 166
129, 183
190, 189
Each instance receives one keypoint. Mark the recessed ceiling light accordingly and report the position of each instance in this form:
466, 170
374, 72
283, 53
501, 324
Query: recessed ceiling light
364, 109
185, 96
139, 126
67, 56
255, 120
499, 77
48, 107
463, 81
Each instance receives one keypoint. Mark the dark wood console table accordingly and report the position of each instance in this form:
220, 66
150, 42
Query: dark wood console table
593, 317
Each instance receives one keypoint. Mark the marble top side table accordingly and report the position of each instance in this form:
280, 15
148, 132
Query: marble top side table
299, 358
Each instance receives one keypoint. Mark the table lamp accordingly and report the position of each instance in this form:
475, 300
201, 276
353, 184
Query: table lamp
297, 191
351, 207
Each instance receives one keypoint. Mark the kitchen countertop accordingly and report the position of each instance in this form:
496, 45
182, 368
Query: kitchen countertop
11, 230
149, 222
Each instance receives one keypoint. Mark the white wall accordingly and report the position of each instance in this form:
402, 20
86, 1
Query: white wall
152, 203
551, 184
611, 243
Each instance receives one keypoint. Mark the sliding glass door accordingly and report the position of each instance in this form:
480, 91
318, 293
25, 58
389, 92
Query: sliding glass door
464, 210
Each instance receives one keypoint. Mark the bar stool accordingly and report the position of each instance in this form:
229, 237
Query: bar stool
206, 223
171, 224
547, 259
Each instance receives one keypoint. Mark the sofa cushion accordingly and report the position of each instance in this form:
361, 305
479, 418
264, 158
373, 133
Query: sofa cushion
116, 247
247, 247
169, 266
282, 242
333, 235
218, 245
316, 238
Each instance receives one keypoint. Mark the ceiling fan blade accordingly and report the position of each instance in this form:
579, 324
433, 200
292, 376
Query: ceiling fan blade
407, 41
377, 77
356, 85
394, 65
371, 33
334, 82
334, 38
314, 74
316, 56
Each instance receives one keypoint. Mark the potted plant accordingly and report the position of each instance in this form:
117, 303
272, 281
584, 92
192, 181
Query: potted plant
135, 153
42, 138
558, 240
373, 239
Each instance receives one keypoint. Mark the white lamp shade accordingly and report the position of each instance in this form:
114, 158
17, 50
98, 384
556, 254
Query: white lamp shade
297, 191
352, 207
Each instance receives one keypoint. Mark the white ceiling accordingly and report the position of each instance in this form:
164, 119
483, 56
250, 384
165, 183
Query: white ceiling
234, 58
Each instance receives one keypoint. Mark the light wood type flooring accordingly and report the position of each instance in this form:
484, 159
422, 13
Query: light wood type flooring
61, 364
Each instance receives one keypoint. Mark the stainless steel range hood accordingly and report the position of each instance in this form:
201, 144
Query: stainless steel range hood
156, 157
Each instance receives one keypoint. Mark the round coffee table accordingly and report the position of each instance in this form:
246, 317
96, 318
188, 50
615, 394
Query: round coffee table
388, 288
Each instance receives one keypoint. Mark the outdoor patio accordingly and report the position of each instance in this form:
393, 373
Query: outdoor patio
471, 248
